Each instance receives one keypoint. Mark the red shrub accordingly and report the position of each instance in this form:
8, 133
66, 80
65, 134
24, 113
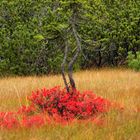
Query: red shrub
69, 105
59, 106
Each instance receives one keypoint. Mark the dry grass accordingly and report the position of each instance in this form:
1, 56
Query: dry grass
119, 85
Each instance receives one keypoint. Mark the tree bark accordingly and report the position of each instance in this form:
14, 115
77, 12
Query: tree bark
63, 66
71, 63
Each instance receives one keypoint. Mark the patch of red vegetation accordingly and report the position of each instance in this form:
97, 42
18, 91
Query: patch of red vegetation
8, 120
56, 105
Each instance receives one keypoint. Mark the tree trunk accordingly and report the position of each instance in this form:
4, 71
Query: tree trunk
63, 66
71, 63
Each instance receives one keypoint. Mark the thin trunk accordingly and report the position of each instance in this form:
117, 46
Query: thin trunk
63, 66
71, 63
99, 57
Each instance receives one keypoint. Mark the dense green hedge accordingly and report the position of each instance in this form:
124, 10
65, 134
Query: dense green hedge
33, 33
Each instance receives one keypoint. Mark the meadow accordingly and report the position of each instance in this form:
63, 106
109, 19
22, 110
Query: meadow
121, 86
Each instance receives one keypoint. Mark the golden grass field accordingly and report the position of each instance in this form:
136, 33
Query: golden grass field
118, 85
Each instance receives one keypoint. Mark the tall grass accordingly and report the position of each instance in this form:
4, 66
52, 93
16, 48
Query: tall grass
118, 85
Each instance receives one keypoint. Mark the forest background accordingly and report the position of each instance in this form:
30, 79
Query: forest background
33, 34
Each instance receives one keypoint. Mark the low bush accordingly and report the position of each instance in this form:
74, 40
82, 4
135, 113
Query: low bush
55, 105
134, 61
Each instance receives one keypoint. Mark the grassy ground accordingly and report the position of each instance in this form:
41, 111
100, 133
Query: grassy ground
118, 85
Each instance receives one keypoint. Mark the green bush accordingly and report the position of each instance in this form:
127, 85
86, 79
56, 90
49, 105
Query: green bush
134, 60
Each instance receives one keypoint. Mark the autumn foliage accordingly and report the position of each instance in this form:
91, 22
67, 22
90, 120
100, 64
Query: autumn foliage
55, 105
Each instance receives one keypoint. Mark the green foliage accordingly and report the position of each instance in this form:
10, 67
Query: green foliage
38, 37
134, 61
33, 33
